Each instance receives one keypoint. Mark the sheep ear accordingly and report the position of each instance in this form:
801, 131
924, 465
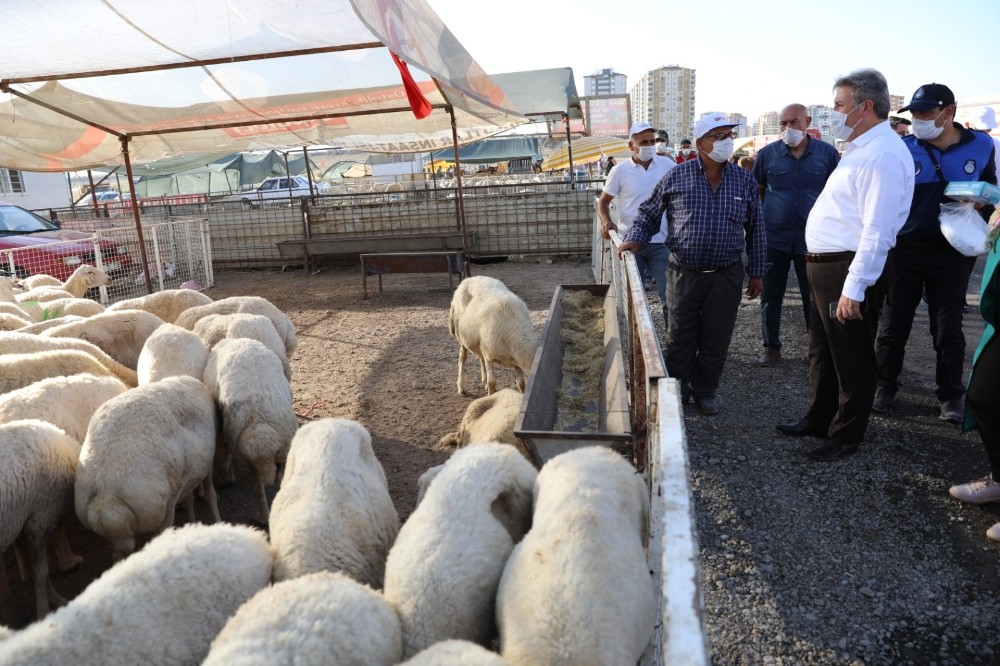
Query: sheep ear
512, 508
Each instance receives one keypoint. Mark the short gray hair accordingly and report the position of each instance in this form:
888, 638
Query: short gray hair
867, 84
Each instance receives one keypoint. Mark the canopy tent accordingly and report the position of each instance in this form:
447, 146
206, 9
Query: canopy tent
585, 150
542, 94
492, 150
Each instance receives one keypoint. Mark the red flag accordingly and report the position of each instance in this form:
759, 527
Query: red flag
420, 105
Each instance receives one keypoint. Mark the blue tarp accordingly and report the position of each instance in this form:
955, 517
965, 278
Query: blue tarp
492, 150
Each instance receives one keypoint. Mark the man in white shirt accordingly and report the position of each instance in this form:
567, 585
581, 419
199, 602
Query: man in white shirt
849, 233
631, 183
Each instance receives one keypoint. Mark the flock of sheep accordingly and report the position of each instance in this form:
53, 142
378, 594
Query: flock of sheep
123, 414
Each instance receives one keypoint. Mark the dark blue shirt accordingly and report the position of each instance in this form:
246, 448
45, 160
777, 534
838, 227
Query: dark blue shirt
706, 230
790, 189
970, 159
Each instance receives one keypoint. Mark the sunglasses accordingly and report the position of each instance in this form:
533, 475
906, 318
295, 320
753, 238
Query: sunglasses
722, 136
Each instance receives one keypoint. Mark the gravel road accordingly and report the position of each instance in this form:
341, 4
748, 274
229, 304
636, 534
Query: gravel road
866, 560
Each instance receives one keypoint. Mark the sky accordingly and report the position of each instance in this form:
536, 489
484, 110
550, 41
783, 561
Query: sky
749, 57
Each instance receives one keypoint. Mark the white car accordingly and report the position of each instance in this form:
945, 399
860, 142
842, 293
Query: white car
280, 189
102, 198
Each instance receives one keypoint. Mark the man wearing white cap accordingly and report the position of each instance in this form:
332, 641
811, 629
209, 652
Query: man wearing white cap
713, 215
631, 183
985, 121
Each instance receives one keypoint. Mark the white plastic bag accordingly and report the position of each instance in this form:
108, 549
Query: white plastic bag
962, 226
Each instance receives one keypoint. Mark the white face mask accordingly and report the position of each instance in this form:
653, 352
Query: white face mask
838, 124
646, 153
721, 150
661, 148
792, 136
927, 129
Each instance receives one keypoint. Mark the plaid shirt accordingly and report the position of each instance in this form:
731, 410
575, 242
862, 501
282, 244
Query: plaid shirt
706, 230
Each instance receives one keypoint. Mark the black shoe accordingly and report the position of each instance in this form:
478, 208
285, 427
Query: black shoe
884, 402
800, 428
830, 450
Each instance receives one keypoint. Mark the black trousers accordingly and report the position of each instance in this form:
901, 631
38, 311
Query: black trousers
982, 402
775, 283
842, 356
944, 273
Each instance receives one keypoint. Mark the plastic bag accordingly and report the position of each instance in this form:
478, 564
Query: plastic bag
962, 226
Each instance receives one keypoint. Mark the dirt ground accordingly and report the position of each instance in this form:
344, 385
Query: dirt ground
387, 362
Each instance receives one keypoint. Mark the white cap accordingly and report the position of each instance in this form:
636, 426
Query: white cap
985, 118
708, 123
638, 128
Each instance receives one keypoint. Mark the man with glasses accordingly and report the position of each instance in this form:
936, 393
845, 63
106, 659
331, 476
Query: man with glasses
713, 215
849, 232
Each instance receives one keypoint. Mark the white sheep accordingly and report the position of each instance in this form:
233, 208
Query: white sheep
455, 653
215, 327
323, 618
145, 450
20, 370
83, 278
8, 291
10, 321
17, 342
44, 311
250, 304
442, 573
333, 511
9, 307
37, 467
171, 351
494, 324
40, 280
40, 326
65, 402
120, 334
577, 589
167, 304
489, 419
258, 420
163, 605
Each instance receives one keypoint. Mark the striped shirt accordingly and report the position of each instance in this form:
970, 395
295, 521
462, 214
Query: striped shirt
706, 230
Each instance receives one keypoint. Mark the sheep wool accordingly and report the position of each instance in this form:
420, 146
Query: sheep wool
250, 304
577, 589
162, 605
44, 311
442, 573
489, 419
38, 327
455, 653
145, 450
171, 351
319, 619
120, 335
83, 278
333, 511
19, 342
213, 328
167, 304
20, 370
65, 402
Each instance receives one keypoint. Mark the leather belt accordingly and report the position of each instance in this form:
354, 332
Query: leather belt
828, 257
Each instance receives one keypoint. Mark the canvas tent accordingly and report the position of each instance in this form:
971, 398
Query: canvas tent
492, 150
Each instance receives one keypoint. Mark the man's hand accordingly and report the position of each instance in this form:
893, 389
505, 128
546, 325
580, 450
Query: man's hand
848, 309
754, 287
628, 246
606, 229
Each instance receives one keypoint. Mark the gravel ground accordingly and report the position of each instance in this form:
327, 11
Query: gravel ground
866, 560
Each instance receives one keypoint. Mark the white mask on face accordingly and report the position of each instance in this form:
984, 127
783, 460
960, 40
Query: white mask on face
838, 124
792, 136
927, 129
721, 150
661, 148
646, 153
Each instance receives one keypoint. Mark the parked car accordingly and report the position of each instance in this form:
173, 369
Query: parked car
279, 188
102, 198
41, 247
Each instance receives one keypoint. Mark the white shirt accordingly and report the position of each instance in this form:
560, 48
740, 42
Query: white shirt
630, 185
864, 205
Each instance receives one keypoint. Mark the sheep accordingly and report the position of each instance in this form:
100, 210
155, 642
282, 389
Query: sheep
494, 324
243, 325
8, 294
442, 573
171, 351
65, 402
10, 321
333, 511
37, 467
120, 334
321, 618
489, 419
43, 294
251, 304
167, 304
9, 307
40, 326
455, 653
577, 589
20, 370
18, 342
40, 280
163, 605
258, 421
43, 311
145, 450
83, 278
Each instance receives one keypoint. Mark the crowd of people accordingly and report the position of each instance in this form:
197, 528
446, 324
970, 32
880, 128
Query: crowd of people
861, 230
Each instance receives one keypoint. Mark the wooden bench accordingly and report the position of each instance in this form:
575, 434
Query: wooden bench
451, 262
310, 248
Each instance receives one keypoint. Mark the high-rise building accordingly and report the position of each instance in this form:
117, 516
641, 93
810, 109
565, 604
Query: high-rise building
820, 114
896, 101
767, 123
664, 98
604, 82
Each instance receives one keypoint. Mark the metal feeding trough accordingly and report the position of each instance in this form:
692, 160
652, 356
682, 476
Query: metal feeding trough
544, 423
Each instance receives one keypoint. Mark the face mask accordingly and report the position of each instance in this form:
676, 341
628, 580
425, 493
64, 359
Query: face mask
685, 151
838, 124
721, 150
661, 149
646, 153
927, 129
792, 136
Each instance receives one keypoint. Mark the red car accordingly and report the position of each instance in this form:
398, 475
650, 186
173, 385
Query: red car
31, 244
